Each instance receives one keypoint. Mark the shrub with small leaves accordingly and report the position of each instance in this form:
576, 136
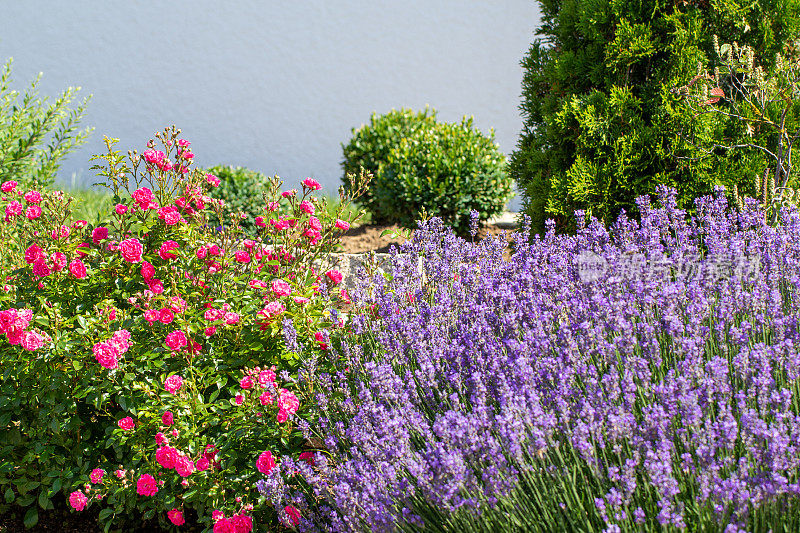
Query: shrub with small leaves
242, 191
420, 164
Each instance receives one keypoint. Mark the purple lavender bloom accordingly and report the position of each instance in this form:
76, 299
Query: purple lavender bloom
637, 377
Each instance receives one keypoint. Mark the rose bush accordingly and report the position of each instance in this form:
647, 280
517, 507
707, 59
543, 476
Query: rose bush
153, 347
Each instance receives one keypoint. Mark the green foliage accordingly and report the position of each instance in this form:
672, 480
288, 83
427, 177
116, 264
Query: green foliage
92, 205
601, 124
242, 191
35, 134
421, 165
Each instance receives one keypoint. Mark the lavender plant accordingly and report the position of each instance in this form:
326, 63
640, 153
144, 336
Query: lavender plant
637, 379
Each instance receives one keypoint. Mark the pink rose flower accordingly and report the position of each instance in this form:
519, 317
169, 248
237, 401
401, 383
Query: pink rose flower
335, 276
32, 341
176, 340
41, 268
77, 269
212, 180
146, 485
155, 286
166, 456
126, 423
58, 261
13, 209
62, 232
167, 418
184, 466
306, 207
281, 288
269, 313
202, 464
176, 517
307, 457
33, 197
231, 318
78, 500
223, 525
209, 331
131, 250
165, 251
121, 209
266, 378
99, 234
239, 399
170, 215
311, 184
33, 253
342, 225
147, 270
292, 516
242, 256
166, 316
314, 223
246, 382
33, 212
265, 462
241, 523
97, 475
173, 383
8, 186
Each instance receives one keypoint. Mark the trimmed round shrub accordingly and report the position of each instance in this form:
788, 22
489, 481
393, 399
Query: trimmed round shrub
242, 191
445, 169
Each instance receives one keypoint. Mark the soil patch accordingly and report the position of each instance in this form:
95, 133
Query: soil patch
367, 238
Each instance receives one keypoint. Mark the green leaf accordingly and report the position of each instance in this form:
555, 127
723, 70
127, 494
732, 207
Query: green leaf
9, 494
44, 501
31, 517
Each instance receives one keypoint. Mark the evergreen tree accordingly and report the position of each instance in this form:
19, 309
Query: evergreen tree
602, 125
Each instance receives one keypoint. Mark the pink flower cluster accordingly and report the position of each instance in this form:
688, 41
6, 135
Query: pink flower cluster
170, 458
108, 352
146, 485
158, 159
144, 198
239, 523
78, 500
14, 324
170, 215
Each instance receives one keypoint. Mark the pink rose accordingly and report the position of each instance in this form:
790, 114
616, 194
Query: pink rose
131, 250
231, 318
269, 313
13, 209
239, 399
8, 186
292, 516
97, 475
121, 209
314, 223
184, 466
165, 251
265, 462
62, 232
209, 331
33, 253
307, 457
126, 423
266, 378
146, 485
166, 316
58, 261
170, 215
176, 340
306, 207
173, 383
33, 197
242, 256
41, 268
212, 180
78, 500
155, 286
77, 269
99, 234
32, 341
246, 382
335, 276
281, 288
311, 184
202, 464
241, 523
176, 517
166, 456
167, 418
342, 225
33, 212
147, 270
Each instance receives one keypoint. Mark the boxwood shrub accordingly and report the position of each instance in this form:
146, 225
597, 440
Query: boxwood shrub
418, 163
242, 191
